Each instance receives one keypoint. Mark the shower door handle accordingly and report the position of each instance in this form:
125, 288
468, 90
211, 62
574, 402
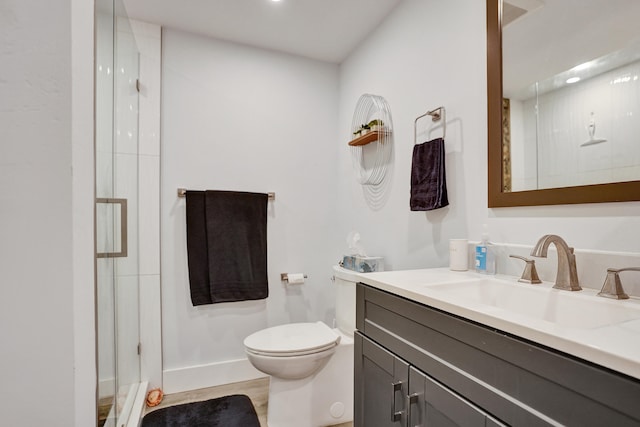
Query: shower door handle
123, 228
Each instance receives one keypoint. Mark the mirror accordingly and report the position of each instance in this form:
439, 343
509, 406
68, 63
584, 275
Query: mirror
552, 123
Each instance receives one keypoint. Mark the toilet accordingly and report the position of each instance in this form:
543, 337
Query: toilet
310, 364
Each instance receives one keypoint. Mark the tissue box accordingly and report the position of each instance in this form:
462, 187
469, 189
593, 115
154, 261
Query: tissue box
367, 264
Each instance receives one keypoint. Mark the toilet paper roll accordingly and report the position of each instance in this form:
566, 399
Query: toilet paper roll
295, 278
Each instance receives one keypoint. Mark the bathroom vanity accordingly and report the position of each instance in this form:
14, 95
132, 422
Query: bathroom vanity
432, 348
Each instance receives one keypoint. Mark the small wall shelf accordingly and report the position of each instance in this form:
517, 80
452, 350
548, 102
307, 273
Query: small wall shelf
372, 113
365, 139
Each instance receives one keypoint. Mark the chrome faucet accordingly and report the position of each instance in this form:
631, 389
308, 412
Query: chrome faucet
567, 276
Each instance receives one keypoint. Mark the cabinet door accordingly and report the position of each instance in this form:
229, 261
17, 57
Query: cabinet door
431, 404
381, 386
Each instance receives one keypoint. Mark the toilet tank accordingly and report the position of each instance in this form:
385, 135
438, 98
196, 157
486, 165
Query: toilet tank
345, 281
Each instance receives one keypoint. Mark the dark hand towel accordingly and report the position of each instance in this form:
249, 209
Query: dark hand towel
428, 178
232, 231
197, 251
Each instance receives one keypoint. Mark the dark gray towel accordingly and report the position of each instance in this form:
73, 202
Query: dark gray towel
197, 250
227, 246
428, 178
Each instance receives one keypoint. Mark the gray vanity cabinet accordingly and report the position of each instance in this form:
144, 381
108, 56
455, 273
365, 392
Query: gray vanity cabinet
382, 379
419, 366
391, 393
431, 404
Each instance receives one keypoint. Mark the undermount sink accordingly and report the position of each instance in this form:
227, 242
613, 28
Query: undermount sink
564, 308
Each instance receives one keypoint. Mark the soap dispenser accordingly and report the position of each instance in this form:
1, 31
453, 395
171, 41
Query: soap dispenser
485, 256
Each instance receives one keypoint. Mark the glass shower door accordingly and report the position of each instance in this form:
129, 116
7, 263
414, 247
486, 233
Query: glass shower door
127, 271
117, 269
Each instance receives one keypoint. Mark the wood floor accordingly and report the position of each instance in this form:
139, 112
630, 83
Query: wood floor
257, 390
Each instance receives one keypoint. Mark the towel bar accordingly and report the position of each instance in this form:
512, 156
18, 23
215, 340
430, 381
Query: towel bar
436, 115
182, 192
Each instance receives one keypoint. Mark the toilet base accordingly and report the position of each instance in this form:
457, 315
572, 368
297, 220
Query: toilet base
324, 399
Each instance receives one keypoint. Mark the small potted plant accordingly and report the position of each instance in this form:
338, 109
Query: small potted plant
375, 125
364, 129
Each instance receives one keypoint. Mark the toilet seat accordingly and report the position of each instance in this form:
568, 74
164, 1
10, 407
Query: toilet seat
295, 339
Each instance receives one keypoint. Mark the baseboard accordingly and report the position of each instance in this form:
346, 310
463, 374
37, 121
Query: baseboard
210, 375
106, 387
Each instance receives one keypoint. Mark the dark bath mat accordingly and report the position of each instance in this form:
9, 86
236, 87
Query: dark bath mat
229, 411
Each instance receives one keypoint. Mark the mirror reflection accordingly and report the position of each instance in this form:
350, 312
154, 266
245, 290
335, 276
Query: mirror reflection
571, 93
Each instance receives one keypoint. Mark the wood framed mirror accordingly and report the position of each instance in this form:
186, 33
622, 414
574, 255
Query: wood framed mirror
498, 161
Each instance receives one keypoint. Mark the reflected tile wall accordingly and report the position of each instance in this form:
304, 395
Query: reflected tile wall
562, 126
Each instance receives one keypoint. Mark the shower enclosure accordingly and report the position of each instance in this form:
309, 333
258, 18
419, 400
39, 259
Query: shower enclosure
116, 215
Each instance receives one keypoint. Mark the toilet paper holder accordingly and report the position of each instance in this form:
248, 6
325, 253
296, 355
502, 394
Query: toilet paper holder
285, 277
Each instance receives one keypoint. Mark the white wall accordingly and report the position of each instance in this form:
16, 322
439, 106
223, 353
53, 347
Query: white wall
83, 204
425, 55
240, 118
46, 213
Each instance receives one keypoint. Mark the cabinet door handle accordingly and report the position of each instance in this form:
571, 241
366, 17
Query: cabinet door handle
413, 398
395, 415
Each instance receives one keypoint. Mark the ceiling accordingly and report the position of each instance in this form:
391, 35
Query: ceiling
549, 40
326, 30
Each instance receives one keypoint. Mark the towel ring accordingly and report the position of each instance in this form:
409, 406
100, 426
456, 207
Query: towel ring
436, 114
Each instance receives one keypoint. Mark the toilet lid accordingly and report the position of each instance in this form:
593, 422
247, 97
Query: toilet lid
292, 339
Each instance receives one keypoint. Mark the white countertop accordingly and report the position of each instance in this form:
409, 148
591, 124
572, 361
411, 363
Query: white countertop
615, 346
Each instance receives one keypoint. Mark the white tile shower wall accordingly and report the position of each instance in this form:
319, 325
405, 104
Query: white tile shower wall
126, 185
148, 40
126, 72
563, 121
106, 337
246, 119
434, 54
104, 189
127, 320
137, 160
523, 172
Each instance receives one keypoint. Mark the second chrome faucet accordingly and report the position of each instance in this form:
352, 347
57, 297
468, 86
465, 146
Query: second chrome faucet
567, 276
